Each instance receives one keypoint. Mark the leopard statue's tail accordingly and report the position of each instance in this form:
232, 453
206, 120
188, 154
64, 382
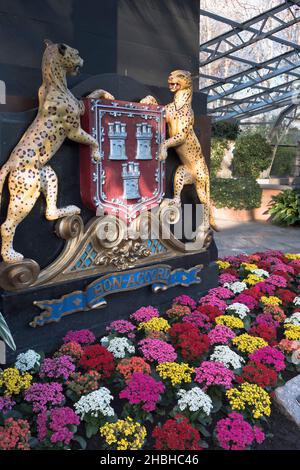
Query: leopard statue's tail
3, 175
212, 222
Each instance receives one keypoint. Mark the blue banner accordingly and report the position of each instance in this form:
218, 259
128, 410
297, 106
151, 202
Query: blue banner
160, 277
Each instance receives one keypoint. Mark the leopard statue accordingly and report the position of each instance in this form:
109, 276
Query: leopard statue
180, 121
27, 168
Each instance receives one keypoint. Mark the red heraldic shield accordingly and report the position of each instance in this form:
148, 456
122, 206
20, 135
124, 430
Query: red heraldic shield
130, 178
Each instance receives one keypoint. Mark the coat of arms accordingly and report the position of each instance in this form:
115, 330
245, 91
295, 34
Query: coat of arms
130, 178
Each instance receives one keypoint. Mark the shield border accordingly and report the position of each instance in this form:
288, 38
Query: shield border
101, 107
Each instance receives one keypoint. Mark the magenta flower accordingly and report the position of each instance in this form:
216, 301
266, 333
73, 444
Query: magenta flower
6, 404
143, 389
214, 373
214, 301
80, 336
270, 357
235, 433
266, 319
221, 292
248, 300
120, 326
144, 314
57, 421
58, 367
220, 334
225, 277
276, 280
185, 300
43, 395
198, 319
157, 350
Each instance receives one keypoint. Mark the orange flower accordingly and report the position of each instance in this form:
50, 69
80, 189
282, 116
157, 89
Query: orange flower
129, 366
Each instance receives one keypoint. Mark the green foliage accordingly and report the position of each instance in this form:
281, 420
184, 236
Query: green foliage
239, 193
225, 130
284, 161
285, 207
218, 148
252, 155
5, 333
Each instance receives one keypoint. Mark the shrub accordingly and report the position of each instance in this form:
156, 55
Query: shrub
284, 161
218, 148
225, 130
285, 207
252, 155
239, 193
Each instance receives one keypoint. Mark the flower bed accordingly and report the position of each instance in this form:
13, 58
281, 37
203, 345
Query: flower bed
199, 375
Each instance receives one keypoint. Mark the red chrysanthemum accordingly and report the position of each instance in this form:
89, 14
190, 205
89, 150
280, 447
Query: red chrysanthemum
189, 341
98, 358
176, 434
260, 374
209, 310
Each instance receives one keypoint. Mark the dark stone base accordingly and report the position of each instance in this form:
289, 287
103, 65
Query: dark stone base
18, 308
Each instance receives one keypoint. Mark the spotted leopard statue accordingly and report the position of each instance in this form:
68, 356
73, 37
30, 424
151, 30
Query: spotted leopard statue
180, 121
27, 168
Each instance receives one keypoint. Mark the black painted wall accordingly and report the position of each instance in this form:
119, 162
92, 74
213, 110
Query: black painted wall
143, 39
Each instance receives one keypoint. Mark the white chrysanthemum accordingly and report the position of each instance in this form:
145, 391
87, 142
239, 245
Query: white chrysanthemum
296, 301
28, 360
194, 400
239, 309
229, 358
260, 272
119, 347
293, 319
236, 287
95, 403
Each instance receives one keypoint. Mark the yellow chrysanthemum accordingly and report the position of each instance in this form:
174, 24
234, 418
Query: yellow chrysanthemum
13, 381
292, 332
230, 321
249, 266
124, 434
272, 300
292, 256
250, 397
253, 279
248, 344
155, 324
223, 264
175, 372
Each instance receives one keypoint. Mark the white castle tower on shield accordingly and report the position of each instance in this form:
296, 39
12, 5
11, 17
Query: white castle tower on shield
130, 174
117, 136
143, 138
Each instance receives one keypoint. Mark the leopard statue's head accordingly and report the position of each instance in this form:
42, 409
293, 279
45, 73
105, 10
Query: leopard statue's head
65, 56
180, 80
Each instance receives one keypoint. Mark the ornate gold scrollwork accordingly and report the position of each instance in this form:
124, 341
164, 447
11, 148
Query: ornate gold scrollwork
109, 232
124, 256
69, 227
105, 243
19, 275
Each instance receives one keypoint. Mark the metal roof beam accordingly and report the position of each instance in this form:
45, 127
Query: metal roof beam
252, 77
265, 95
257, 104
229, 38
251, 112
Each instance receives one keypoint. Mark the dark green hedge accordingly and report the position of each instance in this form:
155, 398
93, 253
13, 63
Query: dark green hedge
239, 193
252, 155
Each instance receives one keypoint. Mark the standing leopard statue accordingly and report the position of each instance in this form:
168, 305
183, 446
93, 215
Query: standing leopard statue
27, 168
180, 121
